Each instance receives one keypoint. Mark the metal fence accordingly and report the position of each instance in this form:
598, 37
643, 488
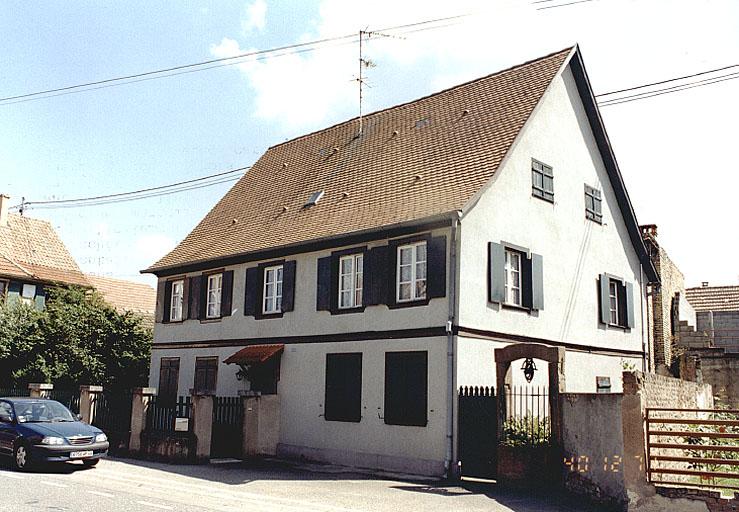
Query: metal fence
8, 392
68, 397
527, 416
693, 447
161, 413
228, 417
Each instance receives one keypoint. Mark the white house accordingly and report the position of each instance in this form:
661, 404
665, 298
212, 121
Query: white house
366, 276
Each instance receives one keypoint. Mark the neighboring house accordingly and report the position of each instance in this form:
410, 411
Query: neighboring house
32, 257
127, 296
668, 305
717, 314
364, 277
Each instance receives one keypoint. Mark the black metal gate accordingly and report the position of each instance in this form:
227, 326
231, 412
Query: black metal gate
478, 435
112, 414
227, 433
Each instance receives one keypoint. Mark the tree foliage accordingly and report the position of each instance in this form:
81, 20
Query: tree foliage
77, 339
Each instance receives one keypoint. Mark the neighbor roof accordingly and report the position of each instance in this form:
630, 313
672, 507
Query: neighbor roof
713, 298
31, 250
126, 295
413, 161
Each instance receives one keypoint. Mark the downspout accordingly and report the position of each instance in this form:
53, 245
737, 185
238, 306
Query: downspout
644, 339
449, 462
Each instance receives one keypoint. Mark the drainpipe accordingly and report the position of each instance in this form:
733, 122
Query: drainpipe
644, 339
449, 458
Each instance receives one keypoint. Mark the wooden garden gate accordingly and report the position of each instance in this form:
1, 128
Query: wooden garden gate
228, 419
478, 435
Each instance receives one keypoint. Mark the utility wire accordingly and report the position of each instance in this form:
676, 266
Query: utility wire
668, 81
160, 73
558, 5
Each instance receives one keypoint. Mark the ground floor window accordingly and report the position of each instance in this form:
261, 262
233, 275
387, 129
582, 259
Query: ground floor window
169, 374
406, 388
343, 387
206, 372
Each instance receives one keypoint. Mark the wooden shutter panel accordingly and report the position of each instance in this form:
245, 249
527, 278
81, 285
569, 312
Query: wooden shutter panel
227, 286
605, 301
537, 282
629, 294
195, 293
160, 302
436, 271
167, 301
526, 288
375, 276
251, 293
323, 284
496, 272
288, 285
203, 296
185, 298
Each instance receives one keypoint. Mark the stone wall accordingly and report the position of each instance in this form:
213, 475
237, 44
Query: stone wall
713, 500
721, 370
721, 327
660, 391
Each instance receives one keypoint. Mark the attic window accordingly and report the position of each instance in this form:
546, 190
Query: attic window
423, 123
314, 198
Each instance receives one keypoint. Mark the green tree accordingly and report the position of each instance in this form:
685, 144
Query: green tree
77, 339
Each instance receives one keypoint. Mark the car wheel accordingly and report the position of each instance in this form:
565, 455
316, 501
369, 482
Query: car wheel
90, 462
21, 457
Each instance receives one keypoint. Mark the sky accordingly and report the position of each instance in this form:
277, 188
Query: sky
672, 149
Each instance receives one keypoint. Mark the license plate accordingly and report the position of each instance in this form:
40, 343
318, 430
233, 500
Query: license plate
80, 455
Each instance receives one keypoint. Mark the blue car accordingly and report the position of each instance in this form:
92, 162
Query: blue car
37, 430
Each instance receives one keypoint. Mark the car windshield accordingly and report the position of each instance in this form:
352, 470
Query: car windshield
46, 411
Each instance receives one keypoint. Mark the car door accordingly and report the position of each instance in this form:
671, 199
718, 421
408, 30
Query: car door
7, 427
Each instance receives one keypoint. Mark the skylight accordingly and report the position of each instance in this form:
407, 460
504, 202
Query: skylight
314, 198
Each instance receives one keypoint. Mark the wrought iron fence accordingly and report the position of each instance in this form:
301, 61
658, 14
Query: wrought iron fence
113, 411
527, 416
68, 397
13, 392
693, 447
228, 417
161, 413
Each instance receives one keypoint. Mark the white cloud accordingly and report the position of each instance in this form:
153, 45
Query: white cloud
255, 14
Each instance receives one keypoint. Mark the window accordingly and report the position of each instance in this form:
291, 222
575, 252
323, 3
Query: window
411, 272
513, 277
272, 290
542, 181
603, 384
343, 387
206, 372
175, 305
616, 301
406, 388
213, 297
593, 204
169, 374
350, 281
613, 301
28, 292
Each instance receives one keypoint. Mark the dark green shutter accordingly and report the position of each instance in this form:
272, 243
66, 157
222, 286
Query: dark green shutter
526, 288
160, 302
252, 291
288, 285
375, 276
196, 284
436, 268
605, 301
167, 301
537, 282
323, 284
185, 298
343, 400
496, 272
227, 285
629, 289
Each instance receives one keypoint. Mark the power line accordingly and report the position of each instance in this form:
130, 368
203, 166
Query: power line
668, 80
559, 5
199, 66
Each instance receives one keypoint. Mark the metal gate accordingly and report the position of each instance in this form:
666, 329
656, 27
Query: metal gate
478, 435
112, 414
227, 433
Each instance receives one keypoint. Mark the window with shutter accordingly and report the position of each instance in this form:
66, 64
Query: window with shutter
616, 301
406, 388
343, 387
593, 204
213, 296
206, 374
169, 374
411, 272
272, 292
351, 281
515, 277
542, 179
175, 300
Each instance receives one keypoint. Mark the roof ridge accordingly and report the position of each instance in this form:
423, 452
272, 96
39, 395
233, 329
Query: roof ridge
713, 287
431, 95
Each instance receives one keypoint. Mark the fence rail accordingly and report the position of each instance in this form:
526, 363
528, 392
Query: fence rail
693, 447
161, 414
13, 392
527, 416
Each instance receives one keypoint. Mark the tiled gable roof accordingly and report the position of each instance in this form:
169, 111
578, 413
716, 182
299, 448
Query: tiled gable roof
413, 161
31, 249
126, 295
713, 298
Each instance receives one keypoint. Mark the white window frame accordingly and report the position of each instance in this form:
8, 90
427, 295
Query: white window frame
213, 297
25, 297
272, 304
175, 303
356, 281
414, 280
510, 271
613, 302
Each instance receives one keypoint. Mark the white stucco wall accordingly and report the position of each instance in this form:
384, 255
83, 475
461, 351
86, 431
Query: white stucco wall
575, 250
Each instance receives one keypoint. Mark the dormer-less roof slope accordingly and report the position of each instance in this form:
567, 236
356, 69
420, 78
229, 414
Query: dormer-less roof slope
31, 250
713, 298
414, 162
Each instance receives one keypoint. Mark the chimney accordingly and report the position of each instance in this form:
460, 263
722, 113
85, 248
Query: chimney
704, 284
4, 203
649, 231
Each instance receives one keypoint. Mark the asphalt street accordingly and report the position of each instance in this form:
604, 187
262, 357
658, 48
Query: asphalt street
133, 486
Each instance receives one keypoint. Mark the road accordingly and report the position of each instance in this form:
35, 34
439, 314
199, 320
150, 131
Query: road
128, 485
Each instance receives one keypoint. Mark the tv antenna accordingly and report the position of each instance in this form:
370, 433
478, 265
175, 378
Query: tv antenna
366, 63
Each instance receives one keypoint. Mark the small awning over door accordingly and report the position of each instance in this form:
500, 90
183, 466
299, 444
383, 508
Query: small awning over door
255, 354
